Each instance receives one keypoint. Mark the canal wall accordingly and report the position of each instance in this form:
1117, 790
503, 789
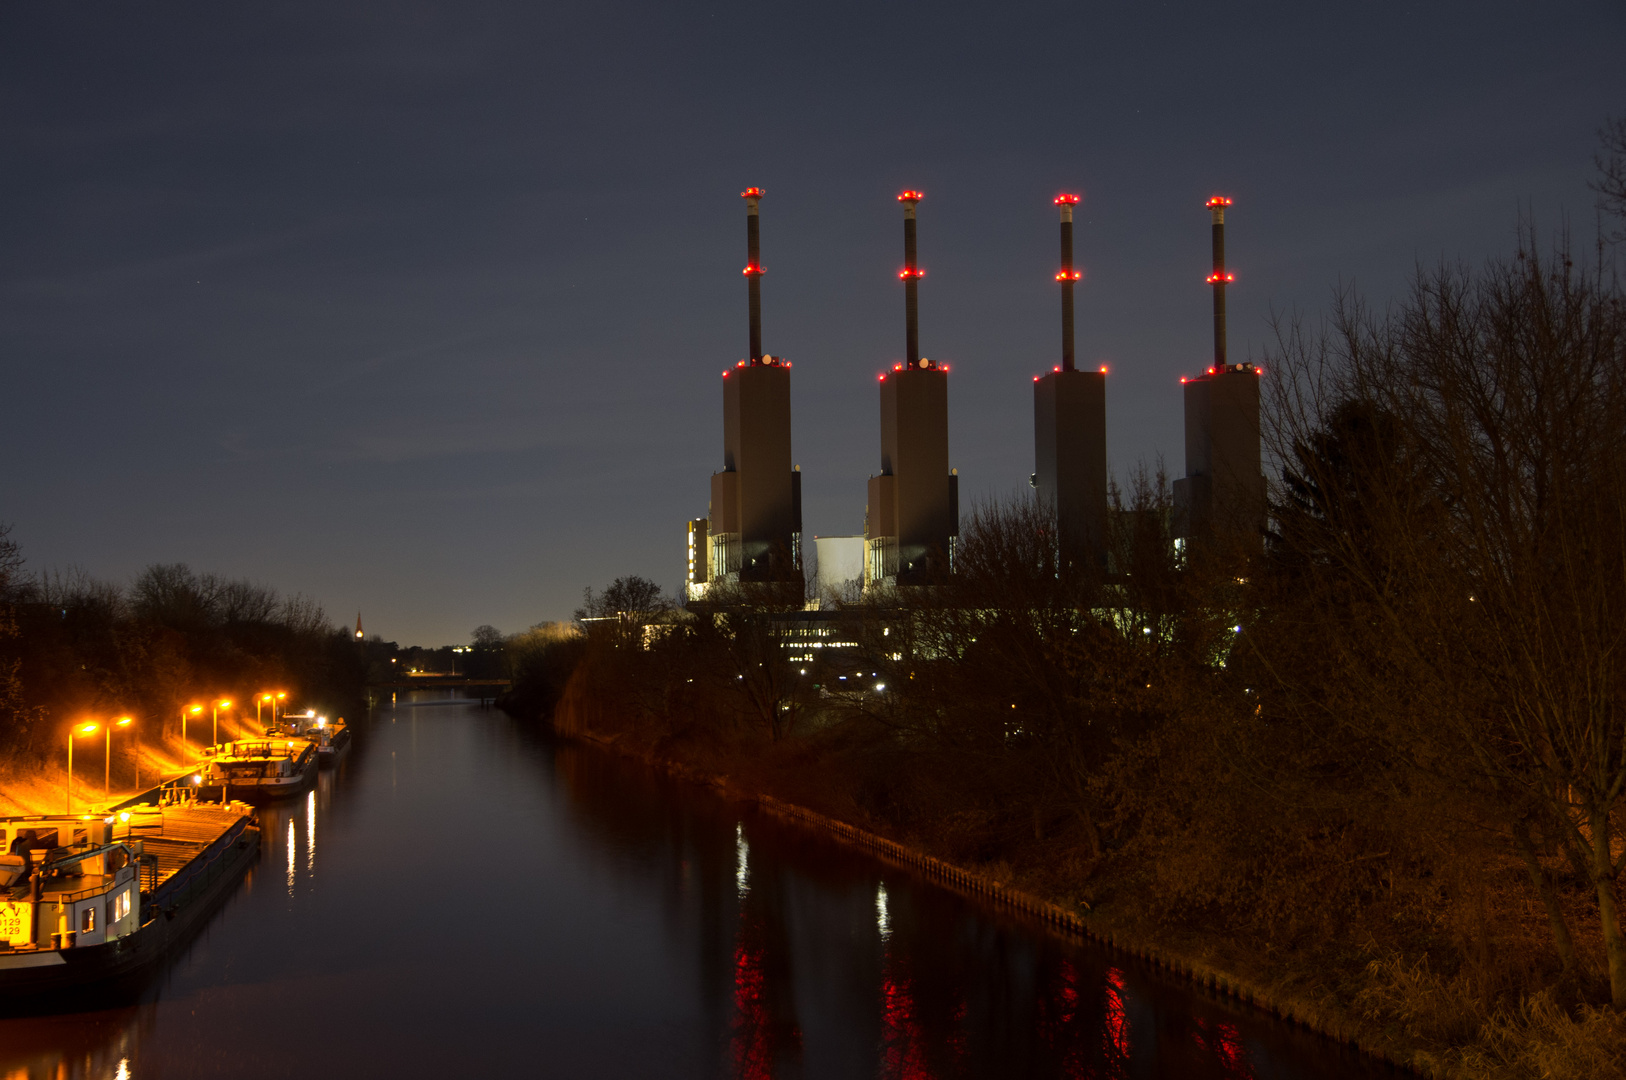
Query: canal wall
1343, 1030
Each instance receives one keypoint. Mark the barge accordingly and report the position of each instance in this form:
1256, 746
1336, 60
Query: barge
89, 904
330, 737
258, 770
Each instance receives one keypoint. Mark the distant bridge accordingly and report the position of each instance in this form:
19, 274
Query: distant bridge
487, 687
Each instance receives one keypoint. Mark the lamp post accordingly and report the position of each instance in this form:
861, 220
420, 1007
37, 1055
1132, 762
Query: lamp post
194, 710
80, 729
223, 703
107, 760
281, 698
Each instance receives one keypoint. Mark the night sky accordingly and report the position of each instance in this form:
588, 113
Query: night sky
421, 309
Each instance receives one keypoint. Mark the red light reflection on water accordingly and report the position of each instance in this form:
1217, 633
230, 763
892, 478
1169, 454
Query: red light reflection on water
1225, 1044
1114, 1019
903, 1042
759, 1039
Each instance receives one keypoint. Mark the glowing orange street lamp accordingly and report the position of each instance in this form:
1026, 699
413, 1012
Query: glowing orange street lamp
77, 729
192, 710
107, 762
223, 703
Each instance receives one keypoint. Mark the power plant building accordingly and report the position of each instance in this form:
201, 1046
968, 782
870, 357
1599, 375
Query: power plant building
1070, 433
912, 515
1221, 499
753, 531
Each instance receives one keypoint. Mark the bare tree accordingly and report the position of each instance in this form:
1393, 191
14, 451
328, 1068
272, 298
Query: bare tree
1455, 513
1611, 182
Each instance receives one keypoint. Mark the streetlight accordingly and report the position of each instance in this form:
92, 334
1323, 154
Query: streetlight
223, 703
259, 703
193, 710
107, 777
281, 697
82, 729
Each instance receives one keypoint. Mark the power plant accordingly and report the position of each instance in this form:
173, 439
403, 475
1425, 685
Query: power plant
1220, 503
753, 528
912, 515
1070, 433
753, 531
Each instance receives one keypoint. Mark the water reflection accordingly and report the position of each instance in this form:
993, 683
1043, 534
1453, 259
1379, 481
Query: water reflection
610, 923
835, 971
94, 1046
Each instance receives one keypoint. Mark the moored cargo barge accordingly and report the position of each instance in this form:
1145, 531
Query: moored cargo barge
90, 904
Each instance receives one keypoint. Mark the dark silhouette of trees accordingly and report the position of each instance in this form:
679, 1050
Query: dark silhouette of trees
1454, 525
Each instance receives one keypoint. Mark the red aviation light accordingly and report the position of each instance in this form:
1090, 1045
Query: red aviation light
1218, 200
740, 364
1182, 380
1211, 371
1103, 369
906, 273
897, 367
725, 374
883, 376
1067, 200
751, 193
1069, 275
1036, 378
1056, 368
1215, 279
753, 269
1258, 371
911, 196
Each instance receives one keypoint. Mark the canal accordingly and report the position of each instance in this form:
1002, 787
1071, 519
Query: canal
461, 898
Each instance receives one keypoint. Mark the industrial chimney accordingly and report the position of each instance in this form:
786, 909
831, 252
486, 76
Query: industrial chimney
1219, 277
1070, 433
911, 275
753, 268
1067, 276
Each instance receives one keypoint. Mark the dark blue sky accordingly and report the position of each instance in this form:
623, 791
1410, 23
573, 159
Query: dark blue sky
421, 308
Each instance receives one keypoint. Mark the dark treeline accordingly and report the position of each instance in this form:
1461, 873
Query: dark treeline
1375, 756
73, 647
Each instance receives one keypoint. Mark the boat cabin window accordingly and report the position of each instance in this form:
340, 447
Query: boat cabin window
87, 919
121, 905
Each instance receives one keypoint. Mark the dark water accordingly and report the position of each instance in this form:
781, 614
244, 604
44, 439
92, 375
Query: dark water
460, 899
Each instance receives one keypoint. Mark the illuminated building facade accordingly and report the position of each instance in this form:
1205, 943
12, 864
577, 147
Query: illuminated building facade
1070, 432
912, 516
1221, 500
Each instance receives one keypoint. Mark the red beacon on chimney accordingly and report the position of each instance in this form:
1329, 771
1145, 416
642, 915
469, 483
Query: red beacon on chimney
751, 193
1068, 275
1067, 200
1215, 279
1103, 369
753, 269
907, 273
1218, 200
911, 196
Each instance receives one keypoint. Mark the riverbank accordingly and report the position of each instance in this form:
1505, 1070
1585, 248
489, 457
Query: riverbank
795, 785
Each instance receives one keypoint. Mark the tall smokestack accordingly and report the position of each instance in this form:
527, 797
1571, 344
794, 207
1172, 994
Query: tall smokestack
911, 275
1219, 278
1067, 276
753, 267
